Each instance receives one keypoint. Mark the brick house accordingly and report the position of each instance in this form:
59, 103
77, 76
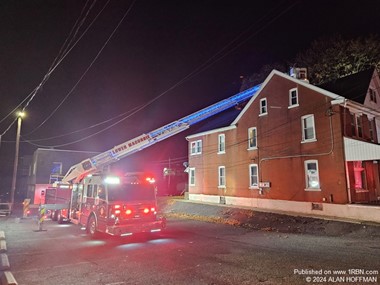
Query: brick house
294, 141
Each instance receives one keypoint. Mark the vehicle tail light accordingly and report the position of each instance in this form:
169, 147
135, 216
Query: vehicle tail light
149, 210
128, 212
117, 209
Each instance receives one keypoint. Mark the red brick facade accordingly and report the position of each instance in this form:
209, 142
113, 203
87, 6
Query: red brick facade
297, 152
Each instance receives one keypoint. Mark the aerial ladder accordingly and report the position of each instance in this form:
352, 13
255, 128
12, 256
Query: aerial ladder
97, 163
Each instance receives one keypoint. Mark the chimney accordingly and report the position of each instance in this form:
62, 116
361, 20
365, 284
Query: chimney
299, 73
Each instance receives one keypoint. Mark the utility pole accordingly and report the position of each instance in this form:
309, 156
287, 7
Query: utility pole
15, 165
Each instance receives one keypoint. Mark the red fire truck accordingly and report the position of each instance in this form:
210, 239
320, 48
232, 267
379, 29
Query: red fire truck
116, 205
124, 205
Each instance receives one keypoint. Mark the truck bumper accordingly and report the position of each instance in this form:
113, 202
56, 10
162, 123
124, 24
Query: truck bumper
129, 229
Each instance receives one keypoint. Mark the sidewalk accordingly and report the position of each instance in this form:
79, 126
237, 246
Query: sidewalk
264, 221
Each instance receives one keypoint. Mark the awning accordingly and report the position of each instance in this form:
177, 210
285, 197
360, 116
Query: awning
356, 150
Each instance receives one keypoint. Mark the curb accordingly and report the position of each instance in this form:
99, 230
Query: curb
7, 277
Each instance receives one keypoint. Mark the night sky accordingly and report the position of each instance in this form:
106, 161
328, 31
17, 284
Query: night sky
185, 54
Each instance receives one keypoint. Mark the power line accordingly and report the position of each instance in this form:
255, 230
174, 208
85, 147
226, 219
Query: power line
207, 64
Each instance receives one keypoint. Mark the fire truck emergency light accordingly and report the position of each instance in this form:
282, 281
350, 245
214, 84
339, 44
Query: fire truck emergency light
112, 180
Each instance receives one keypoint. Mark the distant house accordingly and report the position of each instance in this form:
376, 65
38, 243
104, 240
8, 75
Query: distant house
50, 165
294, 147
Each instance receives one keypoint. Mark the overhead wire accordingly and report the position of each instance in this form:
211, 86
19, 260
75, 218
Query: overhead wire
208, 63
55, 64
88, 68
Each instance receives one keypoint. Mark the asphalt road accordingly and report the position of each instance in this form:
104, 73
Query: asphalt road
188, 252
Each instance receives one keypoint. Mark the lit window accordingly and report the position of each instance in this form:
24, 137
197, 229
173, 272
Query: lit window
192, 176
308, 128
221, 176
312, 175
221, 143
253, 176
293, 97
56, 168
196, 147
263, 106
252, 138
359, 176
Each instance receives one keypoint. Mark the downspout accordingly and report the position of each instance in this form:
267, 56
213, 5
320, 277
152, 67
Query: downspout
303, 155
344, 154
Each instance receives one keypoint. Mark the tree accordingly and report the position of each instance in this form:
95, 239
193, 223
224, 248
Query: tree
259, 77
332, 58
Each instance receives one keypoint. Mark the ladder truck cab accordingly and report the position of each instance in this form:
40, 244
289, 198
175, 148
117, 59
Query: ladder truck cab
116, 205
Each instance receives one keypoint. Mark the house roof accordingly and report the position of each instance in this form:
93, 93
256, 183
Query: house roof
215, 123
353, 87
288, 77
343, 88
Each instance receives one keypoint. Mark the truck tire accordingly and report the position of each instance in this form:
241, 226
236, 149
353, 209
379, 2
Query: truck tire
54, 215
59, 217
92, 227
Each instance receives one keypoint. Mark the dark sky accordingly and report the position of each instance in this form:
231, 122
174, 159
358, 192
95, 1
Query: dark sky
156, 46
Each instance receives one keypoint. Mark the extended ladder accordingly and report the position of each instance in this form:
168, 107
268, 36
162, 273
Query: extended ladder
98, 162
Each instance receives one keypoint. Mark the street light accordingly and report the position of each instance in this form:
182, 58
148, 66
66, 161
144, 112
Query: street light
20, 115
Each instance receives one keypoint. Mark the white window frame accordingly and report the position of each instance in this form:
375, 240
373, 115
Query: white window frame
221, 143
252, 137
221, 177
304, 127
372, 95
191, 176
253, 185
291, 92
315, 176
196, 147
263, 107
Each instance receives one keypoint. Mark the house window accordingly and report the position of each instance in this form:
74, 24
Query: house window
56, 168
221, 176
192, 176
372, 95
221, 143
353, 124
253, 176
196, 147
293, 97
252, 138
312, 175
263, 106
308, 128
372, 130
359, 126
359, 176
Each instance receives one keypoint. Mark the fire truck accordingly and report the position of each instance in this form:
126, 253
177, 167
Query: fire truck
103, 203
125, 204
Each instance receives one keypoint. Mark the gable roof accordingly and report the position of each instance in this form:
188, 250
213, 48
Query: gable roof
288, 77
339, 93
353, 87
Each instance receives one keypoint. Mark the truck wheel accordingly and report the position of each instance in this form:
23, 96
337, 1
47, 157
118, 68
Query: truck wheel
59, 218
92, 227
54, 215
